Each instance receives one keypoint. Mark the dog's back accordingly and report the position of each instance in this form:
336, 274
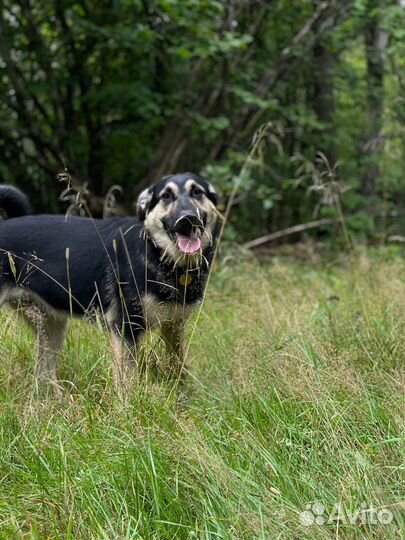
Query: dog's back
65, 261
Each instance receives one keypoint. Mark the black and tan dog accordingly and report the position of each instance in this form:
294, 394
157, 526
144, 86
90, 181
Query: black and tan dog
138, 272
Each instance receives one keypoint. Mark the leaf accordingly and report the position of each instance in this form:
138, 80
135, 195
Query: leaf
12, 265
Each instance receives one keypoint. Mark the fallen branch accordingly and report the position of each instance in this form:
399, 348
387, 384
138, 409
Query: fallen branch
396, 238
290, 230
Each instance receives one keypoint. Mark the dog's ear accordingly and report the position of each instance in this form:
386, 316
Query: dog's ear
212, 194
144, 203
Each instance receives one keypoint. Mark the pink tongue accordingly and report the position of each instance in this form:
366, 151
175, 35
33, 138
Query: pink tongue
188, 245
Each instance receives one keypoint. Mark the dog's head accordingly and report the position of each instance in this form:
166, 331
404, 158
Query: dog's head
180, 215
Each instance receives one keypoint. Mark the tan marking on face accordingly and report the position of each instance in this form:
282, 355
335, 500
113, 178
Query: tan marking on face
155, 228
190, 183
158, 233
204, 205
170, 186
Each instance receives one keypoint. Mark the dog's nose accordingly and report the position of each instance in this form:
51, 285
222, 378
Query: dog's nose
185, 223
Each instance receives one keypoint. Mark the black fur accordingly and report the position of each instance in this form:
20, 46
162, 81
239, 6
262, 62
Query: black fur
79, 264
13, 202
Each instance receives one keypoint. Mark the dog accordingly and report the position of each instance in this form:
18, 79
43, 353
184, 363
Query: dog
141, 272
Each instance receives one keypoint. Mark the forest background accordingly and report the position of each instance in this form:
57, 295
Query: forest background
121, 92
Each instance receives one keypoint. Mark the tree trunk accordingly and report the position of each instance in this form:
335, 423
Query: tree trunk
376, 39
324, 99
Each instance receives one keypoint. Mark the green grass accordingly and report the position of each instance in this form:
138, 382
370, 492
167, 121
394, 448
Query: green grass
296, 396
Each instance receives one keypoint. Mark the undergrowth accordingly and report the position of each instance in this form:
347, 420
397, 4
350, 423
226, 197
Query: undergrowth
295, 397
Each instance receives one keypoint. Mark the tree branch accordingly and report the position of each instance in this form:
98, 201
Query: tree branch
290, 230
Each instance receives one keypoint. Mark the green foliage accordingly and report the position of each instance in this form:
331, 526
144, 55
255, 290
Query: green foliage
124, 92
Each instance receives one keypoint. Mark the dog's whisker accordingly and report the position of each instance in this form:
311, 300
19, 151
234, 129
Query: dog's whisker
206, 261
162, 258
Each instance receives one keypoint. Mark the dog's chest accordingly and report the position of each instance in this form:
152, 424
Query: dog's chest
170, 297
177, 287
158, 312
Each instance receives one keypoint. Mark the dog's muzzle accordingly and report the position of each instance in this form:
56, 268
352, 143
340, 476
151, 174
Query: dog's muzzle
188, 229
187, 223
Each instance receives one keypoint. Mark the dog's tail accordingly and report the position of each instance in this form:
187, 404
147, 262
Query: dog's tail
13, 202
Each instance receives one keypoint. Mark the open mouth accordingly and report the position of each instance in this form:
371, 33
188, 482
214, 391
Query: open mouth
186, 232
189, 244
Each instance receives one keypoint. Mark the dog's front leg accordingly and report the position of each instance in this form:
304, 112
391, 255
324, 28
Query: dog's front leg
125, 365
173, 337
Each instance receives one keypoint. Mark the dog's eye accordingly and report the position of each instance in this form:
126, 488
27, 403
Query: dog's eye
167, 196
197, 192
